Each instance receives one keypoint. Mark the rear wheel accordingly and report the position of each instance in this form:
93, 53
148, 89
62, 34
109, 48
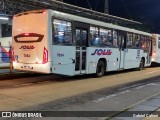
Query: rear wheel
100, 69
141, 65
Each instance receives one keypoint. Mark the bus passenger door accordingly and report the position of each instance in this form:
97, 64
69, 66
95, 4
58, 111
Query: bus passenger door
122, 46
81, 36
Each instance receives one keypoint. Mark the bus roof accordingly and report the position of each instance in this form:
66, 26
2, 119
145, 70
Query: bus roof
85, 20
95, 22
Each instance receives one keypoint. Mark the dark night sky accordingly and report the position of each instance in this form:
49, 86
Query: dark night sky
139, 10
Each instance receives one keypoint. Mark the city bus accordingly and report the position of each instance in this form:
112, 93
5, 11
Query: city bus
5, 40
49, 41
156, 48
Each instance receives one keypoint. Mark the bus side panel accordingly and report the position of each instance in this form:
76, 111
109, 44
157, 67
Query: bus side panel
132, 58
113, 60
64, 60
95, 54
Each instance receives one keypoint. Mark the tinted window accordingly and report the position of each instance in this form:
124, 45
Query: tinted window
145, 42
84, 37
105, 37
62, 32
129, 40
94, 38
137, 41
115, 39
158, 42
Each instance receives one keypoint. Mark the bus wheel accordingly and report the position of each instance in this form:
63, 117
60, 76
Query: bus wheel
100, 69
141, 66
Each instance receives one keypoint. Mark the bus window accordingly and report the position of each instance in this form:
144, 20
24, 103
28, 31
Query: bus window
149, 40
62, 32
78, 37
134, 41
81, 37
105, 37
143, 42
84, 37
6, 30
148, 44
94, 38
115, 39
129, 40
137, 41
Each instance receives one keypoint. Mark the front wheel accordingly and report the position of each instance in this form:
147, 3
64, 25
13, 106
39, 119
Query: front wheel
100, 69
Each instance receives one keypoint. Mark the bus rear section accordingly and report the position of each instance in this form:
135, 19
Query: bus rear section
155, 48
30, 44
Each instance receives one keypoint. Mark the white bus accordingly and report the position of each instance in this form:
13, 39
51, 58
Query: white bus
155, 48
5, 40
49, 41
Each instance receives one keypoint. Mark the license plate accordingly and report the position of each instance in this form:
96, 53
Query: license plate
27, 67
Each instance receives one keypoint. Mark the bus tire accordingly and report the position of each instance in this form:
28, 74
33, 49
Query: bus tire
141, 65
100, 69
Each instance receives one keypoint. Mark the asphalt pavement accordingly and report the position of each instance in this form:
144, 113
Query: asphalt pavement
127, 95
132, 103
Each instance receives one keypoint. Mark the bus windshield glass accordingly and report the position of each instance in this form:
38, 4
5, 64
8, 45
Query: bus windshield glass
62, 32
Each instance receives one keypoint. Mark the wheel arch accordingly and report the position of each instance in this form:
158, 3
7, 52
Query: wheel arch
105, 62
143, 58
